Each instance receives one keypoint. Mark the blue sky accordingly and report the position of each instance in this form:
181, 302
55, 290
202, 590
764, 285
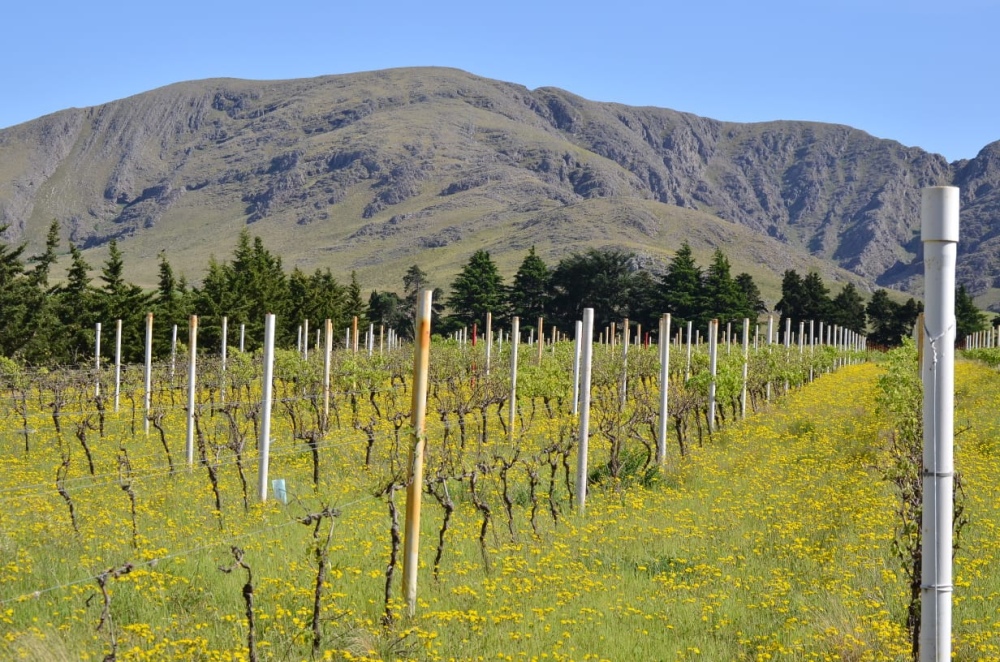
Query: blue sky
923, 73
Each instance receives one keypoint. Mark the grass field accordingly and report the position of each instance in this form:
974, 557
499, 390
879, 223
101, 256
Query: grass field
770, 540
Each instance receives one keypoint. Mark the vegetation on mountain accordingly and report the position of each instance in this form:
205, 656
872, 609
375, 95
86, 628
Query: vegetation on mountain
464, 161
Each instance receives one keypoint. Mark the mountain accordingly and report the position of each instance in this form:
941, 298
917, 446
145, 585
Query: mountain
377, 171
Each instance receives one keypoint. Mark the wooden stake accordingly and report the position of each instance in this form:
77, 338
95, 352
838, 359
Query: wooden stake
415, 477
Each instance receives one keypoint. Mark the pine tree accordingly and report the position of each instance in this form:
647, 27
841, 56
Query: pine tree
529, 296
171, 305
816, 299
722, 298
644, 300
388, 309
40, 328
968, 319
792, 303
245, 291
598, 279
848, 310
891, 321
76, 309
354, 305
477, 290
121, 300
681, 287
298, 301
327, 299
43, 263
17, 299
754, 305
415, 280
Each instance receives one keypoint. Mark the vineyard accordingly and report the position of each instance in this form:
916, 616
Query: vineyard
764, 537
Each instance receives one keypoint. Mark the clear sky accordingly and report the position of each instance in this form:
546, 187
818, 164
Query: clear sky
924, 73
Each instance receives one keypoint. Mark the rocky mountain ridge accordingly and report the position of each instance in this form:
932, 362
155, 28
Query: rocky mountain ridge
383, 169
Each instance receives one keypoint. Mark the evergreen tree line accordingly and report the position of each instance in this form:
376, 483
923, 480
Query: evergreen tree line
46, 323
609, 282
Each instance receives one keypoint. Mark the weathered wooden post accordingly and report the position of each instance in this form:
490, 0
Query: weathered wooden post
415, 465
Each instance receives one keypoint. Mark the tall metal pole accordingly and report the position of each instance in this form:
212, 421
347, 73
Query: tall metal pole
515, 340
173, 354
584, 439
267, 386
577, 346
939, 234
192, 379
623, 381
97, 360
746, 366
118, 361
664, 346
148, 376
225, 356
713, 362
328, 350
687, 370
489, 341
415, 478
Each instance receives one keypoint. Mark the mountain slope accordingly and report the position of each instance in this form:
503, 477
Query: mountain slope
381, 170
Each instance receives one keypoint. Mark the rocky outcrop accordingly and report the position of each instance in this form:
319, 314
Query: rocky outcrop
383, 153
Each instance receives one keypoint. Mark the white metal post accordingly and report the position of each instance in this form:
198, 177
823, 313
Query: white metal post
264, 442
489, 341
623, 382
770, 341
97, 360
148, 375
577, 346
664, 347
584, 439
746, 366
118, 361
192, 383
713, 362
687, 370
173, 354
939, 221
327, 351
225, 342
515, 340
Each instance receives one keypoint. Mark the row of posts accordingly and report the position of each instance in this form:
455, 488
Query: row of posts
939, 234
987, 339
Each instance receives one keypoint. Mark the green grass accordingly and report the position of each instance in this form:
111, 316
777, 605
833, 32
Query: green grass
772, 539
